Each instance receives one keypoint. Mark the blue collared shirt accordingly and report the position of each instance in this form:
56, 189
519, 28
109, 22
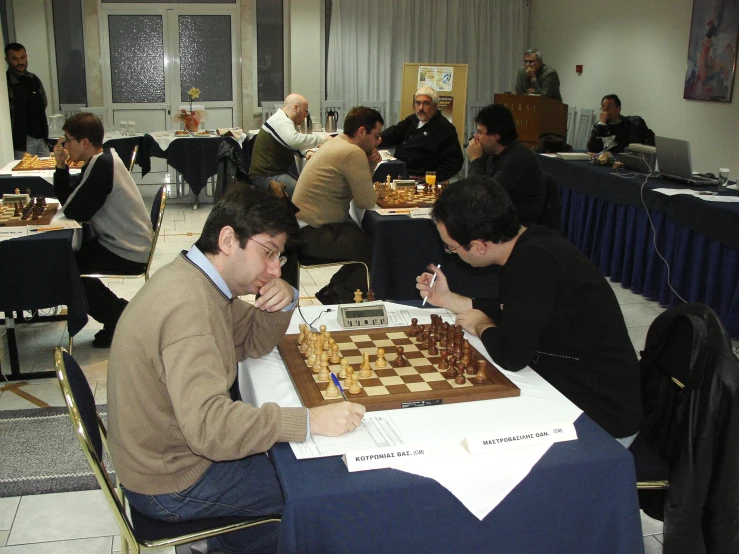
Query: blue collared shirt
201, 260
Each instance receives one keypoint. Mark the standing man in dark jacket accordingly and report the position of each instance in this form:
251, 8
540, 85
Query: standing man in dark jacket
27, 100
426, 140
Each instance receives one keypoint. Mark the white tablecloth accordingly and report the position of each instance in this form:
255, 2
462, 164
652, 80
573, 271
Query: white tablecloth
444, 427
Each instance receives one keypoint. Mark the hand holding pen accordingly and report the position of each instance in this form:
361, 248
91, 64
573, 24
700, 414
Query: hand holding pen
434, 284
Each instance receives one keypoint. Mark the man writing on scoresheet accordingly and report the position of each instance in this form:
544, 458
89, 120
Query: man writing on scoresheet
182, 446
555, 312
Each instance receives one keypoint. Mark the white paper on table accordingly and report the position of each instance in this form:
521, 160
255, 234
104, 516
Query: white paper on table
13, 232
402, 317
376, 431
717, 198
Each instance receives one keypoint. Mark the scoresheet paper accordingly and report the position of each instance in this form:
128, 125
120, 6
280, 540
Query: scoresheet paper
376, 431
402, 317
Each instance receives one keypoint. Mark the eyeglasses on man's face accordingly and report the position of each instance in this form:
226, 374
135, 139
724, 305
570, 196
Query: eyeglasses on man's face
449, 250
272, 255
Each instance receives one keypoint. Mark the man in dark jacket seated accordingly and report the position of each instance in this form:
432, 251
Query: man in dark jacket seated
627, 130
426, 140
555, 312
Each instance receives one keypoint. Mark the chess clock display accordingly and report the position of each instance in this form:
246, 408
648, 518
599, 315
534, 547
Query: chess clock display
355, 317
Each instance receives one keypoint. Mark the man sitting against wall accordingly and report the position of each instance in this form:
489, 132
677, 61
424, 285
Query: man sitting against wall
627, 130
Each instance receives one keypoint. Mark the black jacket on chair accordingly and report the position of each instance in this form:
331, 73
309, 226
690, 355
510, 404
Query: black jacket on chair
694, 428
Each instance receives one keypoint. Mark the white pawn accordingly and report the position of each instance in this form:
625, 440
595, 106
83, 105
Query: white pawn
316, 366
380, 362
344, 364
311, 359
349, 373
327, 341
365, 370
322, 329
354, 388
308, 352
323, 374
332, 391
335, 358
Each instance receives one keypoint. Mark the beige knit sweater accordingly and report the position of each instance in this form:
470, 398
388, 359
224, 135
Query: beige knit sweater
172, 363
337, 172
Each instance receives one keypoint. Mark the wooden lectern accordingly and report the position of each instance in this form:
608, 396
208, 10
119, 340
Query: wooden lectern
535, 116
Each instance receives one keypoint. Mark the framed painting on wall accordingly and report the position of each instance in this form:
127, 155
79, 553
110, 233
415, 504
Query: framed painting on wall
714, 33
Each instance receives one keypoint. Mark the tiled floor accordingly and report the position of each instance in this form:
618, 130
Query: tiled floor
80, 522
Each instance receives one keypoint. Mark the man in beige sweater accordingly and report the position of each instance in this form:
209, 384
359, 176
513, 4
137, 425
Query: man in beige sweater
182, 447
339, 171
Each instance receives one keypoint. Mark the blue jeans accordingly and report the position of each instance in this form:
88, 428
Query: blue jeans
262, 182
247, 487
34, 146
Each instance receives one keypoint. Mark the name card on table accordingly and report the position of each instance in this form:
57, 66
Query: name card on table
386, 456
495, 442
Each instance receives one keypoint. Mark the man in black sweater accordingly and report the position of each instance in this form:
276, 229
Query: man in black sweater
495, 152
105, 195
555, 312
426, 140
627, 130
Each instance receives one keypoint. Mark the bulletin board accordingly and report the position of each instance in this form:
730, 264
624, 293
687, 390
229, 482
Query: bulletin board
450, 82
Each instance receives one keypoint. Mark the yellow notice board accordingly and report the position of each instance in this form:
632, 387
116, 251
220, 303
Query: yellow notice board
448, 80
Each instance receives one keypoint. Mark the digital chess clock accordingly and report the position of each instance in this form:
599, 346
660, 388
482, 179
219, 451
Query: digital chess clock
353, 317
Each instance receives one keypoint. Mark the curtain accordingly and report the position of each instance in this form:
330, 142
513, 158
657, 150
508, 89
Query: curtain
369, 42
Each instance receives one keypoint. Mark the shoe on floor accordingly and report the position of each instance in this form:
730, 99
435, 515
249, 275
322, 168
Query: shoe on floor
327, 295
104, 337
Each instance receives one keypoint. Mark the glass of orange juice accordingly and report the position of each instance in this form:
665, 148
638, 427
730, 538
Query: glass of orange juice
431, 178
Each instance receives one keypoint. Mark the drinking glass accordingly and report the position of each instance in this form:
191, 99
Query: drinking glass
431, 178
723, 178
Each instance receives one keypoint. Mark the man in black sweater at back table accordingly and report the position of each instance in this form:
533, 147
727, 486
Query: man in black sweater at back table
555, 311
105, 195
495, 152
426, 140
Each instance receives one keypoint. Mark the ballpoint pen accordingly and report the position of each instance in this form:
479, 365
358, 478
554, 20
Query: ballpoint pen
338, 385
431, 286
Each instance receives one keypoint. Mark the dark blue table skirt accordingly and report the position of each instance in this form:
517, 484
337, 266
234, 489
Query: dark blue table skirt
619, 240
40, 271
403, 248
579, 498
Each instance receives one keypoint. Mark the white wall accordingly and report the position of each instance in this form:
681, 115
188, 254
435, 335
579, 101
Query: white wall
30, 31
305, 52
637, 50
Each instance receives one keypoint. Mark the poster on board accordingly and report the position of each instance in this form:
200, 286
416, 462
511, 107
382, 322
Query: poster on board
439, 78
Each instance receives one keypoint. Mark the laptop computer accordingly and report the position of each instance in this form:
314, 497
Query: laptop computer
673, 159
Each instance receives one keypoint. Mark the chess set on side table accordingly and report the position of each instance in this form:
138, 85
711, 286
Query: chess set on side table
391, 367
21, 209
34, 163
413, 196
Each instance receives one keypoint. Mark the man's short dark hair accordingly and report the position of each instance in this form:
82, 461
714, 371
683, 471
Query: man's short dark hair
498, 120
476, 208
85, 125
249, 211
14, 46
361, 116
616, 99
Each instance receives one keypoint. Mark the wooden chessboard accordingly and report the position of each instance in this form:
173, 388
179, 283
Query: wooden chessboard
420, 200
41, 164
419, 384
7, 219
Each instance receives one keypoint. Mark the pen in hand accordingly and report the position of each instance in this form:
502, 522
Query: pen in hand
338, 385
431, 286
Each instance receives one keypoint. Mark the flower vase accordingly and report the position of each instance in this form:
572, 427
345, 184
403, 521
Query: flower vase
191, 124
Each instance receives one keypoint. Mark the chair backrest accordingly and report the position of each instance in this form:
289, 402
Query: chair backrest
473, 108
157, 216
552, 215
378, 105
90, 432
584, 123
70, 109
269, 109
571, 123
335, 106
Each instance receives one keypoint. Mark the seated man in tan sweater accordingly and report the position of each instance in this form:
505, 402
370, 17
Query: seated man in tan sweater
182, 447
339, 171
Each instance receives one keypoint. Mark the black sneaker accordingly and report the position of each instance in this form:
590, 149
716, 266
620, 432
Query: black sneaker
104, 337
327, 296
